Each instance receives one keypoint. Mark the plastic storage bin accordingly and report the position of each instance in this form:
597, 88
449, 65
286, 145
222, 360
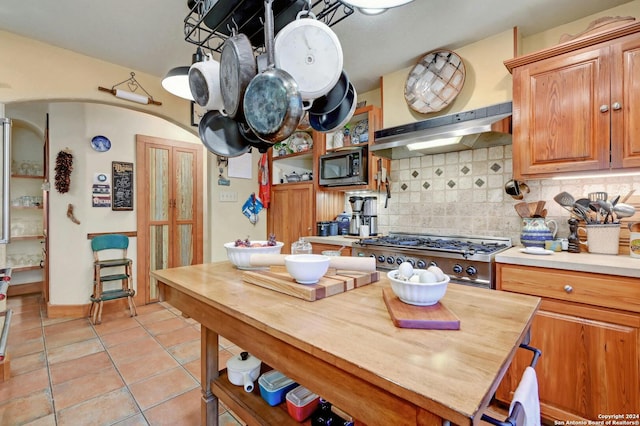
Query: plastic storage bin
301, 402
274, 387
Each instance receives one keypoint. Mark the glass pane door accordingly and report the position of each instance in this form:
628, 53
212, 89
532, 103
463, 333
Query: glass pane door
159, 211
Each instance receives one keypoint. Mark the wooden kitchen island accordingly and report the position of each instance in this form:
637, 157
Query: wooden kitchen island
346, 349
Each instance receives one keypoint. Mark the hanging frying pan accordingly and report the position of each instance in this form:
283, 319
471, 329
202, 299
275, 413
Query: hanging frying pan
311, 52
272, 103
337, 118
332, 100
221, 136
237, 68
252, 139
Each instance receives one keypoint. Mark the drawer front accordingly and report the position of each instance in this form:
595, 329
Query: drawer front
607, 291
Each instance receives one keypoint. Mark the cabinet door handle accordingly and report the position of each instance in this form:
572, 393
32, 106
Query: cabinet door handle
568, 288
616, 106
604, 108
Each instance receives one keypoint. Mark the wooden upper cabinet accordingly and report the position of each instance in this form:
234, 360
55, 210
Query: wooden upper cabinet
575, 105
625, 91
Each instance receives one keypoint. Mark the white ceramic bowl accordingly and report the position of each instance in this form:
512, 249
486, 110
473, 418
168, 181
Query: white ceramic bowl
421, 294
240, 256
306, 268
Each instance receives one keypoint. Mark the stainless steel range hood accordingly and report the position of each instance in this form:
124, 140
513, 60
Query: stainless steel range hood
478, 128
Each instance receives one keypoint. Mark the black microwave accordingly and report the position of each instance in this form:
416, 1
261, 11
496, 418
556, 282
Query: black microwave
347, 166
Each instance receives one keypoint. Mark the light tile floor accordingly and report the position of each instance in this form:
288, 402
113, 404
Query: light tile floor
126, 371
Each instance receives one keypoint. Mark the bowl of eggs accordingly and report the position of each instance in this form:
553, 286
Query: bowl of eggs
421, 287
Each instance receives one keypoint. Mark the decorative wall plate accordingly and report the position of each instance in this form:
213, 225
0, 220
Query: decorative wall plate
100, 143
435, 81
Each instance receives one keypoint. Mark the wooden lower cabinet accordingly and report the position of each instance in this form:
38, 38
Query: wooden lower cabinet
291, 213
590, 354
318, 248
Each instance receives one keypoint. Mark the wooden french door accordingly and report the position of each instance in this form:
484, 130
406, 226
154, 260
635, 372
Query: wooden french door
169, 213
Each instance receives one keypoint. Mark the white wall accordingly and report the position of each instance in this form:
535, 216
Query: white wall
73, 125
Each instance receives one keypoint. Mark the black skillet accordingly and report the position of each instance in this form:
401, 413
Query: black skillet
252, 139
220, 135
332, 100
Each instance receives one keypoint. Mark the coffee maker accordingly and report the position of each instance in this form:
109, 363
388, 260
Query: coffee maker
370, 214
356, 214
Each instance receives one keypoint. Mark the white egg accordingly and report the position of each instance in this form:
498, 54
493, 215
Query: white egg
428, 277
414, 279
438, 272
405, 269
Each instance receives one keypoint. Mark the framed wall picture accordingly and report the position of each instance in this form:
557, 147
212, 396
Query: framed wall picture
122, 191
197, 112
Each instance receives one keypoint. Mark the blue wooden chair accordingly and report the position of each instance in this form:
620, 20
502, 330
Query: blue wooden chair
118, 268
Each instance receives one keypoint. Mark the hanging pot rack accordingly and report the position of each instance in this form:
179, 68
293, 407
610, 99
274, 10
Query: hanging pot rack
209, 23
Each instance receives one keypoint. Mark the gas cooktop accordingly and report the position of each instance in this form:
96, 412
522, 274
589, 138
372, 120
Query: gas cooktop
454, 243
467, 260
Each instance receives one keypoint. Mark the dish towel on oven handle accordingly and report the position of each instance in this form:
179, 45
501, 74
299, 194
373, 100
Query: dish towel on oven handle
527, 394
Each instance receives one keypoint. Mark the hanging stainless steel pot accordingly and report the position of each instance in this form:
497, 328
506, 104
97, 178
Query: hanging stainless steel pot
272, 102
237, 69
204, 83
311, 52
220, 135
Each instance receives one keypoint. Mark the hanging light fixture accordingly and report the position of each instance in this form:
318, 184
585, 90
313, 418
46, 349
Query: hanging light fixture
375, 7
176, 81
132, 85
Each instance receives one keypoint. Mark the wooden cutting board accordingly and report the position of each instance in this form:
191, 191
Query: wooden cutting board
333, 282
403, 315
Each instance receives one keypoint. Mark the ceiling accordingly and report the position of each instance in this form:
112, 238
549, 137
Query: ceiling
147, 35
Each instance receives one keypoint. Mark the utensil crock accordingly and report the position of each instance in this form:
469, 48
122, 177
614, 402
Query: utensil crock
536, 230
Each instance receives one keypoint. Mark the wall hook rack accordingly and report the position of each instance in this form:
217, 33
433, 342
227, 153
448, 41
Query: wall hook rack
133, 85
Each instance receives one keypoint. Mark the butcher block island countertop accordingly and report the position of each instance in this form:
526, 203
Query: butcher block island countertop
346, 349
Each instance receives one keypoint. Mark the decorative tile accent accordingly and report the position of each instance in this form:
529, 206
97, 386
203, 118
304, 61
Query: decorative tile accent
415, 173
479, 182
426, 185
451, 184
465, 170
439, 171
404, 186
495, 167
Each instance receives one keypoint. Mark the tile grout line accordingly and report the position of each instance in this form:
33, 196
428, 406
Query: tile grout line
46, 360
126, 385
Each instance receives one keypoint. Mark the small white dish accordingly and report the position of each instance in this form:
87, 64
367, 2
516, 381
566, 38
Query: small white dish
536, 250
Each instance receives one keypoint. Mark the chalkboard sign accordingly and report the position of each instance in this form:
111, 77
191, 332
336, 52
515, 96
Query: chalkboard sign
122, 192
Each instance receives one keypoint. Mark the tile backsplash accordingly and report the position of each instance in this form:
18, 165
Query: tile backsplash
462, 193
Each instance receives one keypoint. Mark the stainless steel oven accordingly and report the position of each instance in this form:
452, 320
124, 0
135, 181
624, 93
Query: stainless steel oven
467, 260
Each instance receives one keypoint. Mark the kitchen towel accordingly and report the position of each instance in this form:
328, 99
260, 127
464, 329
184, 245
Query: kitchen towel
527, 394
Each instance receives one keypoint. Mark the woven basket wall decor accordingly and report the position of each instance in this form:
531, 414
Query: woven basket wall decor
435, 81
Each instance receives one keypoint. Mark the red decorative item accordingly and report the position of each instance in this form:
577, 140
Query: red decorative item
263, 178
64, 166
